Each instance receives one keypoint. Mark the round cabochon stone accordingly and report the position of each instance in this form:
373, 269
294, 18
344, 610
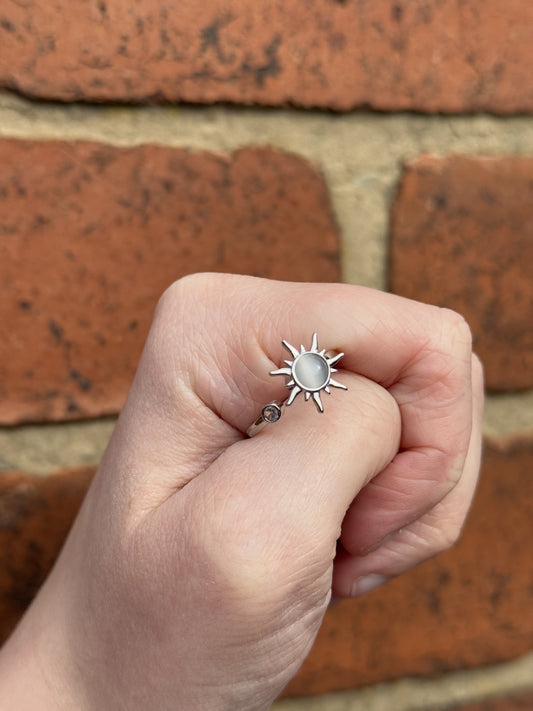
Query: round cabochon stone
311, 371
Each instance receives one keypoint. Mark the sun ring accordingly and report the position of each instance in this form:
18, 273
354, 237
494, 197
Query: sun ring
308, 372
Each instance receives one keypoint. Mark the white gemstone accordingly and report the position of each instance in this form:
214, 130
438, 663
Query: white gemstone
311, 371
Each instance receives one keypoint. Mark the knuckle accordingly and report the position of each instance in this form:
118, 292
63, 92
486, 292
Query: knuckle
164, 361
446, 359
179, 311
195, 304
183, 291
455, 329
449, 536
195, 319
441, 535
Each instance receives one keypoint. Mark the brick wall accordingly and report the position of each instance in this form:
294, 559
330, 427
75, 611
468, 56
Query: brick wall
393, 139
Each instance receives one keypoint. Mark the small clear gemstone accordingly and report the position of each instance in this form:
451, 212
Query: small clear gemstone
311, 371
271, 413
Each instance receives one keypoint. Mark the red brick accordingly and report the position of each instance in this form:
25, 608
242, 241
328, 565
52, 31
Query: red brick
468, 607
91, 235
36, 514
426, 55
462, 237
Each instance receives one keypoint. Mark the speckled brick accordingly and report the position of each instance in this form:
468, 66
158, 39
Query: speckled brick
91, 235
462, 237
426, 55
468, 607
36, 514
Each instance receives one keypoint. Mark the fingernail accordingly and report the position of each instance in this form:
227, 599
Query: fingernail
367, 583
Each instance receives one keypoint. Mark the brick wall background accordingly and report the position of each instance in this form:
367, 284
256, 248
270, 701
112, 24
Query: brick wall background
394, 140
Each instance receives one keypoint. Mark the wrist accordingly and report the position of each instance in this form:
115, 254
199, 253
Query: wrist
37, 666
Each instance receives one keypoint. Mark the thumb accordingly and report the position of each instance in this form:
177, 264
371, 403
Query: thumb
273, 505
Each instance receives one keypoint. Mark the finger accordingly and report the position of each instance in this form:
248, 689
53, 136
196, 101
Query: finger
434, 532
204, 373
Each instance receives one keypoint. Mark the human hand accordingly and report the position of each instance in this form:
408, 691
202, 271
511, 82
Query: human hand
202, 562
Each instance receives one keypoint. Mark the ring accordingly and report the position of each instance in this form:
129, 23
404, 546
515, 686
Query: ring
309, 372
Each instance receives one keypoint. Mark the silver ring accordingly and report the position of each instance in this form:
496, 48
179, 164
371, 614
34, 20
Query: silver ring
309, 372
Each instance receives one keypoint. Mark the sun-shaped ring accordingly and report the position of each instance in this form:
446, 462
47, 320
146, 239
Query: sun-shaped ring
309, 372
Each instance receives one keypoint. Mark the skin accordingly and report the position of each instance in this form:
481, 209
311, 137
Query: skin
202, 562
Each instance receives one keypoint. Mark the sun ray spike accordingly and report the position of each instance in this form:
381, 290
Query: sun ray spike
318, 401
327, 390
292, 350
294, 392
335, 359
314, 343
335, 384
302, 349
281, 371
307, 396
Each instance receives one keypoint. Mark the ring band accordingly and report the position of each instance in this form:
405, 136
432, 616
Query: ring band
309, 372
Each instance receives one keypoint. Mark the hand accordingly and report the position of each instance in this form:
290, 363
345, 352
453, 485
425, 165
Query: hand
202, 562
